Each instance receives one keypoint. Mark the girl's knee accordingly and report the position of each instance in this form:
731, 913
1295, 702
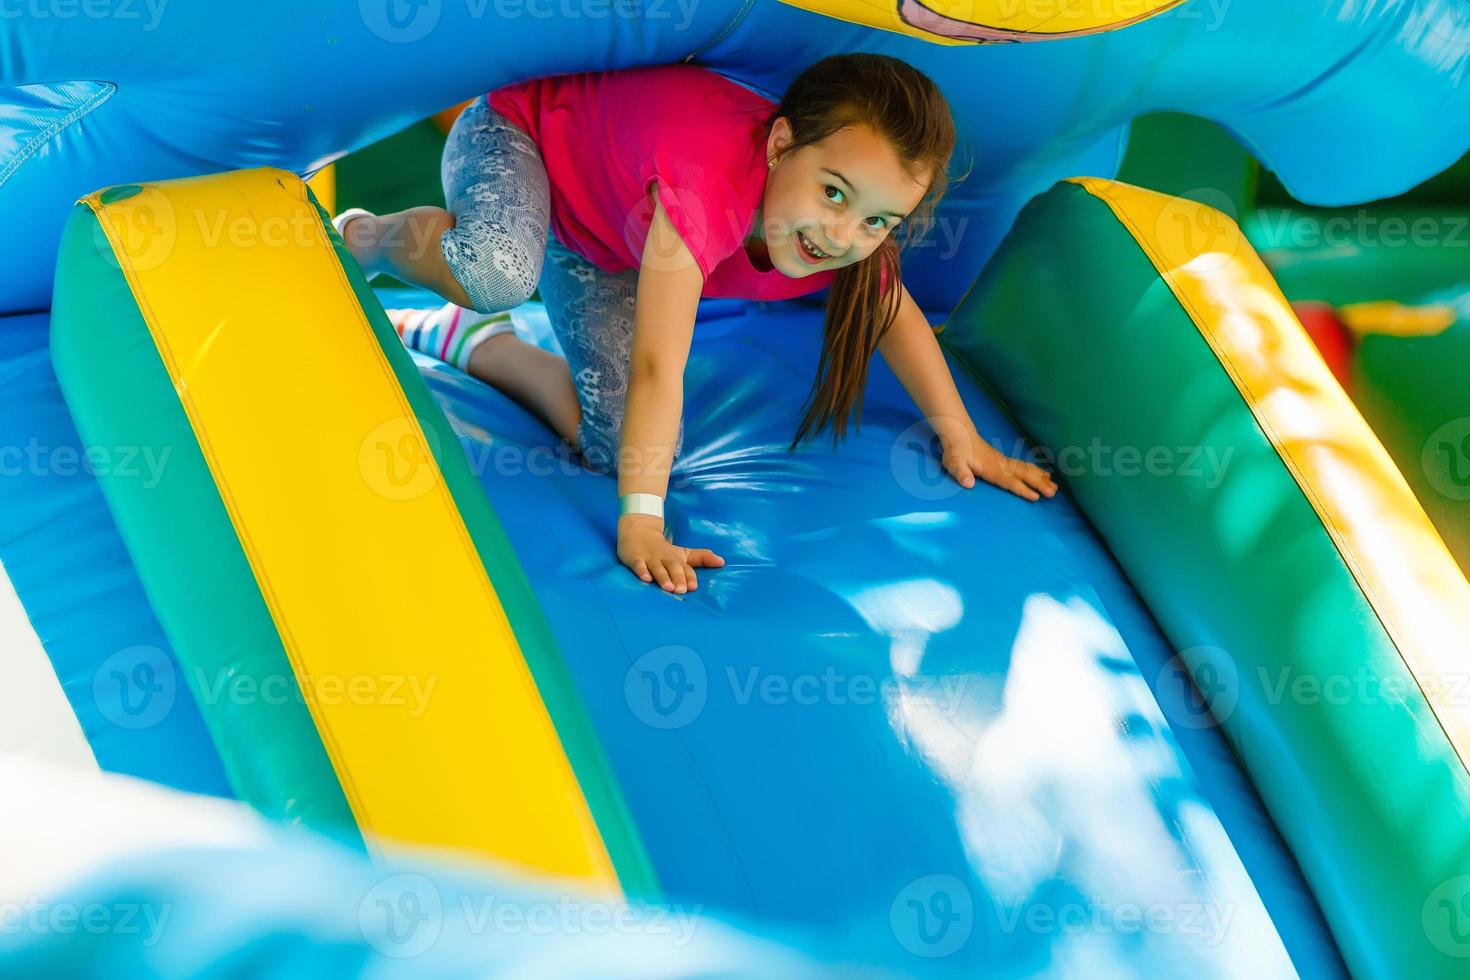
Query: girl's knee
495, 272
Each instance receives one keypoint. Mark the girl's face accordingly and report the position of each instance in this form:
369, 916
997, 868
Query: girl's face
832, 203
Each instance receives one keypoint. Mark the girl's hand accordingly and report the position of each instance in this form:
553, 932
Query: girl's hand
966, 456
642, 547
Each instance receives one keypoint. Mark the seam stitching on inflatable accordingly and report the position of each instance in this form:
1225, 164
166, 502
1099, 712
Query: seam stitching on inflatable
729, 28
1335, 534
34, 144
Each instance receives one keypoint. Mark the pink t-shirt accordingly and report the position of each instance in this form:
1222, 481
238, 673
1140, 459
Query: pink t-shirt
607, 137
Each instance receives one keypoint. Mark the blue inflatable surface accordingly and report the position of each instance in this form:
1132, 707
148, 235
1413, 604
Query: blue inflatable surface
67, 562
1347, 101
920, 724
948, 701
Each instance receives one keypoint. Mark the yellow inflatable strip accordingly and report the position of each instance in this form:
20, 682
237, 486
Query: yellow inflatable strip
1393, 551
1397, 319
324, 186
398, 641
989, 21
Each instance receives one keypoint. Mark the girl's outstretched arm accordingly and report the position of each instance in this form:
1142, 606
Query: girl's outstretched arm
912, 352
669, 284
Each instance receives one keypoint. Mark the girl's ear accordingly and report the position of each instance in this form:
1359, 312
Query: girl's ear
779, 138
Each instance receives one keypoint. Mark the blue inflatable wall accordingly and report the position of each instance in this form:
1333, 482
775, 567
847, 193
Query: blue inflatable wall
1347, 101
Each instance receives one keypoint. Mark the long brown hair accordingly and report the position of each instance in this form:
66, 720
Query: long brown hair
905, 108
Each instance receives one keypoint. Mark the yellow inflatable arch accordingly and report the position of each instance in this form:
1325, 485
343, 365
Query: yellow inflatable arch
990, 21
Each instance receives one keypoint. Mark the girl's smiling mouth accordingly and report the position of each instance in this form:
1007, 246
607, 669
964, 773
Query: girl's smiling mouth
809, 252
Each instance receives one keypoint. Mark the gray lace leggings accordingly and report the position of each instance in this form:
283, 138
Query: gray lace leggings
501, 246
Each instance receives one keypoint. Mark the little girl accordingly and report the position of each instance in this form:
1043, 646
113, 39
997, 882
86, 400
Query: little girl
627, 195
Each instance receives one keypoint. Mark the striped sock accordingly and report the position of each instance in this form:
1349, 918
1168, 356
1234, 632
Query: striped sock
449, 332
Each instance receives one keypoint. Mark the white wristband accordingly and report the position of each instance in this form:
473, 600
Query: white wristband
641, 503
645, 503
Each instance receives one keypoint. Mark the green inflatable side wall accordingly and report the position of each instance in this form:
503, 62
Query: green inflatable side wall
1074, 330
180, 536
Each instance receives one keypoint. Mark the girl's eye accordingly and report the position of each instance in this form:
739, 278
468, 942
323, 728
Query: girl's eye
835, 195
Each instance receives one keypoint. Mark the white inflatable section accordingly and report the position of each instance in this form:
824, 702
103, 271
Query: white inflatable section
36, 721
57, 824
